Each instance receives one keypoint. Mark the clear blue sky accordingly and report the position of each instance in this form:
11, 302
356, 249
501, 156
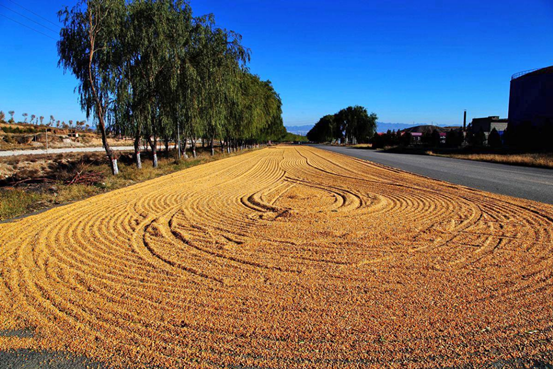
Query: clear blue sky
408, 61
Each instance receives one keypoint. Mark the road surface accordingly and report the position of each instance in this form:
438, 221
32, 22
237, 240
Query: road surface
62, 150
524, 182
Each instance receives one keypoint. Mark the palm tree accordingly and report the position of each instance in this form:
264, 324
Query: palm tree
11, 112
25, 115
33, 118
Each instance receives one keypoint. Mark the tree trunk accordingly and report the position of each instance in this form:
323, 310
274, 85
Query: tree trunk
212, 147
111, 155
99, 107
167, 148
194, 148
153, 145
137, 151
114, 166
184, 147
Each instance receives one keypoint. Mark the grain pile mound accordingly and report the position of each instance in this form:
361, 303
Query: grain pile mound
284, 257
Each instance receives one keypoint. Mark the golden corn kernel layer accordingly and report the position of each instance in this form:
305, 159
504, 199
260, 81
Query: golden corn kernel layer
288, 257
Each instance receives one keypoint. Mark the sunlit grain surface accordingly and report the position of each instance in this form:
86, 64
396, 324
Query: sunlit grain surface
284, 257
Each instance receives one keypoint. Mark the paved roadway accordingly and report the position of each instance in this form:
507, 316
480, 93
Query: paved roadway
525, 182
62, 150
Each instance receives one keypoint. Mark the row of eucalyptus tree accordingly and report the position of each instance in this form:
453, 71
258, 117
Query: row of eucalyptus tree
151, 70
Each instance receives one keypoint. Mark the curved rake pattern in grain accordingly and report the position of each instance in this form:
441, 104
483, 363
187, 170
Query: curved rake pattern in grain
285, 257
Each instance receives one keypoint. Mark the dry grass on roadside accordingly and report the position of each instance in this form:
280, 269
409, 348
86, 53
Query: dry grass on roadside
362, 146
540, 160
16, 202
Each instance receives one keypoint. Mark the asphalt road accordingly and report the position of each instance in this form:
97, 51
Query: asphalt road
524, 182
62, 150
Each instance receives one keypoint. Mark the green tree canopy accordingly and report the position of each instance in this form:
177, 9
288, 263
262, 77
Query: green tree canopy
353, 124
151, 70
90, 48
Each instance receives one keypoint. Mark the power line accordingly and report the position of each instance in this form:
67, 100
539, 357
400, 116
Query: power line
32, 20
38, 15
24, 25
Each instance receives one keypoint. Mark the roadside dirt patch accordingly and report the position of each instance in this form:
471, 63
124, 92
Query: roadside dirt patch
32, 167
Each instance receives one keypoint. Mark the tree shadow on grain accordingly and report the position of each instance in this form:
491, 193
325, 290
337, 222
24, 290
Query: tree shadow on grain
30, 359
25, 358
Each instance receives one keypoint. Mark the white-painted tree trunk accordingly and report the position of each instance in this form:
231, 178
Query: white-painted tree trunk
155, 160
115, 167
184, 147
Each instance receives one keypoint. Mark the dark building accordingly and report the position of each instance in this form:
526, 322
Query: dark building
531, 98
486, 125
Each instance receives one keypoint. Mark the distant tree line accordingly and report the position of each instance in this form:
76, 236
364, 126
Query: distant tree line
525, 137
151, 70
350, 125
430, 138
39, 121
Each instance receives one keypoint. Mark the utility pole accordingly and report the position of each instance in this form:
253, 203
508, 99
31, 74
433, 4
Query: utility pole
464, 129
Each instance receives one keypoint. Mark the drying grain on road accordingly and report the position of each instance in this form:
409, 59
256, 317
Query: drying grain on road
284, 257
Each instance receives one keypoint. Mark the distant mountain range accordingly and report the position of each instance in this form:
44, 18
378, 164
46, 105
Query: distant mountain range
384, 127
380, 127
299, 130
